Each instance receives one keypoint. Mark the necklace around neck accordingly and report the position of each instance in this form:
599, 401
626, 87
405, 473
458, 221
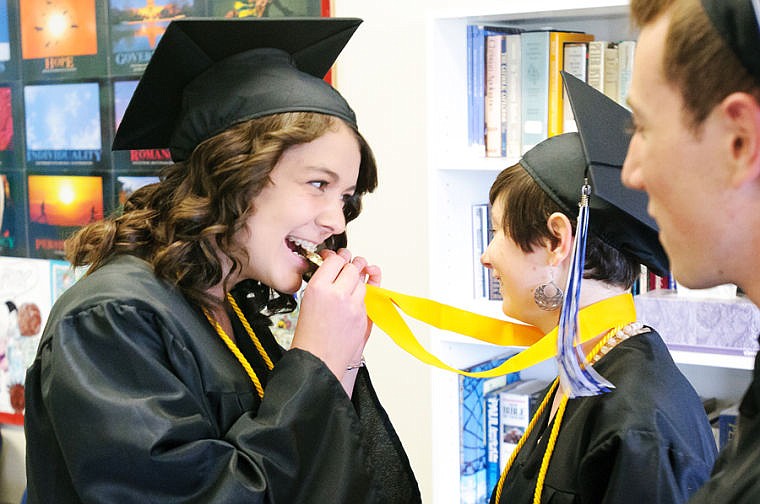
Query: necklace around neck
234, 348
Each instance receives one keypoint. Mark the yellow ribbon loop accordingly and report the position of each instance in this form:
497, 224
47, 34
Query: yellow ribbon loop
383, 305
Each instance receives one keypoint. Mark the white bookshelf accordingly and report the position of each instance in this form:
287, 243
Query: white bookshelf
460, 177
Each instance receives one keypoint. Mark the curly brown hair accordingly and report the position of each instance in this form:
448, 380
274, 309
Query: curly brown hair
178, 224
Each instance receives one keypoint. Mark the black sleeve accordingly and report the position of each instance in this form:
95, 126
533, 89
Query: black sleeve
124, 405
640, 467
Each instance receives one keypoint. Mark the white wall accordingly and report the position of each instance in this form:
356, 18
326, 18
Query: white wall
381, 72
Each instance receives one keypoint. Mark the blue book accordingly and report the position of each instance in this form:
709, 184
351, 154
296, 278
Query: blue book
472, 438
727, 425
471, 119
479, 85
534, 85
491, 397
476, 65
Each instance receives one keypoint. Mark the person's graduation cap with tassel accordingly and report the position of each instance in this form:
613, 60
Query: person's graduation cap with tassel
620, 423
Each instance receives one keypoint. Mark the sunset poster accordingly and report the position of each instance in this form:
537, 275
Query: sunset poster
60, 38
63, 124
137, 26
58, 206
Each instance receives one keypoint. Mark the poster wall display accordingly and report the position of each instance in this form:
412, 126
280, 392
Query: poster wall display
68, 69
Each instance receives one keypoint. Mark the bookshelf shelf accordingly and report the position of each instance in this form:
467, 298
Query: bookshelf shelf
460, 177
714, 360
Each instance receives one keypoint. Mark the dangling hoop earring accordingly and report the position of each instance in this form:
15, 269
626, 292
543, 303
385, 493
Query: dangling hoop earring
548, 296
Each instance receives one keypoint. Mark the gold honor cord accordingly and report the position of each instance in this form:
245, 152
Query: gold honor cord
383, 305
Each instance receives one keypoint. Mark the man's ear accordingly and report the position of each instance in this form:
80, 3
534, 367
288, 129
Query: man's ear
741, 112
561, 228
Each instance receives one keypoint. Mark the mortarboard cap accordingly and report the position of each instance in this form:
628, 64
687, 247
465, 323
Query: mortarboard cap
206, 75
560, 164
738, 22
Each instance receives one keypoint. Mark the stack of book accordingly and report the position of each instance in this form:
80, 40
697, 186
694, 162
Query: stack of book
516, 96
494, 413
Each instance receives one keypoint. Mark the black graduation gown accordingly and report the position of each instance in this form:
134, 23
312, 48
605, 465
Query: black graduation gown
736, 476
647, 441
134, 398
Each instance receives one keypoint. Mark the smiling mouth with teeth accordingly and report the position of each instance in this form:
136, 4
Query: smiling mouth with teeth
308, 251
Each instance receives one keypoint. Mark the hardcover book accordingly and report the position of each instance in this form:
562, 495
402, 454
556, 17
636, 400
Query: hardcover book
476, 83
727, 425
595, 71
534, 88
575, 64
513, 99
480, 236
517, 405
611, 71
495, 52
557, 41
626, 51
472, 438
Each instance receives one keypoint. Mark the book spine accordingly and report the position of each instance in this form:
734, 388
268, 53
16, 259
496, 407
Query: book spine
535, 88
595, 72
493, 440
503, 97
478, 85
514, 107
575, 64
626, 50
493, 95
517, 405
480, 227
470, 81
514, 418
726, 426
557, 41
611, 71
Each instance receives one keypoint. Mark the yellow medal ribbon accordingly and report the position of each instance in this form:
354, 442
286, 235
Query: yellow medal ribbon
383, 305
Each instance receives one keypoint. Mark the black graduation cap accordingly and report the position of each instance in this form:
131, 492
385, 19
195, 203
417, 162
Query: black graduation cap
206, 75
738, 23
560, 164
